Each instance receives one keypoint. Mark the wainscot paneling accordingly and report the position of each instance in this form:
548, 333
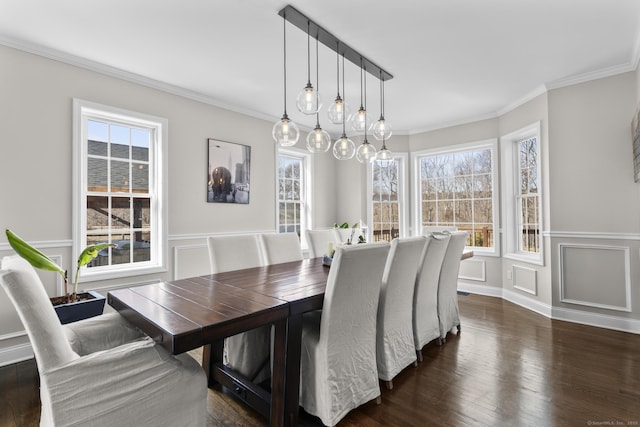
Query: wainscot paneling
473, 269
525, 279
595, 276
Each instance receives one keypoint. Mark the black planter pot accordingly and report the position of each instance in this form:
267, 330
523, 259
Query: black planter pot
83, 309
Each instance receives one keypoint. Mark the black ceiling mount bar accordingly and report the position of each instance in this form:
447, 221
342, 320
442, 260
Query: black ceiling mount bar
307, 25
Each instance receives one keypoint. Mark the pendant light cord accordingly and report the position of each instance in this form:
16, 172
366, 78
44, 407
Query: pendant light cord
338, 67
284, 37
344, 133
317, 85
308, 52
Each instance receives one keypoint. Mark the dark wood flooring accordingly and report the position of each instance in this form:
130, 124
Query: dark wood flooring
508, 367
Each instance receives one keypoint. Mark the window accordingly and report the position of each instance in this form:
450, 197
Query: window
522, 194
386, 211
119, 196
456, 188
293, 191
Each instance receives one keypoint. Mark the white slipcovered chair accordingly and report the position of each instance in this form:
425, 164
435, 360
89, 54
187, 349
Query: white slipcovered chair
344, 234
448, 313
246, 352
338, 362
102, 371
319, 240
426, 325
395, 344
281, 247
428, 229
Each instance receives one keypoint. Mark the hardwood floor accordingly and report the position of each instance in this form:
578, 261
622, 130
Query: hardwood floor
509, 366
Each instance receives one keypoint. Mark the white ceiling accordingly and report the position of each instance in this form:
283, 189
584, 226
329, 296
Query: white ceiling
453, 61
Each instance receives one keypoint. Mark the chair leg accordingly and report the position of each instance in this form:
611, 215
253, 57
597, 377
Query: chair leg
459, 329
419, 355
440, 341
378, 400
389, 384
415, 363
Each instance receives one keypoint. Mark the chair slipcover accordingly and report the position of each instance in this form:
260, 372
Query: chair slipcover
428, 229
281, 247
395, 344
248, 351
126, 383
426, 326
319, 240
344, 234
338, 362
448, 285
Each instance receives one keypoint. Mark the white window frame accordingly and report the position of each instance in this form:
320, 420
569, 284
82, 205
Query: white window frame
158, 167
492, 145
403, 211
510, 172
306, 190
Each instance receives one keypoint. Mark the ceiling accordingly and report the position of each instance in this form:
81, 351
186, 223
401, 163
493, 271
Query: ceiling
453, 61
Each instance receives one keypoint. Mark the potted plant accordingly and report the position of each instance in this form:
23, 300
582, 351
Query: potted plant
71, 306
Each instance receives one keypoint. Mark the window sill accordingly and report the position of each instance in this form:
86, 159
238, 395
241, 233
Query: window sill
86, 276
537, 260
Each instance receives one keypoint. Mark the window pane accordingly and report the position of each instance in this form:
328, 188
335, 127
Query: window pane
464, 211
120, 176
121, 254
97, 148
140, 176
483, 211
482, 186
97, 174
463, 163
140, 144
97, 213
120, 213
463, 187
482, 161
97, 131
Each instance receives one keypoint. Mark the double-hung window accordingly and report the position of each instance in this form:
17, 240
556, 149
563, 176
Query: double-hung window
293, 192
456, 187
521, 169
386, 212
119, 189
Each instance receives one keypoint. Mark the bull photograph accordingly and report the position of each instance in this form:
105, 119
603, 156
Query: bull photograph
228, 172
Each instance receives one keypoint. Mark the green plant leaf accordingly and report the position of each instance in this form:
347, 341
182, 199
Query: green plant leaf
32, 255
91, 251
345, 225
355, 225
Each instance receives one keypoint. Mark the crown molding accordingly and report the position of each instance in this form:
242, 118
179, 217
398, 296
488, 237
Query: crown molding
592, 75
118, 73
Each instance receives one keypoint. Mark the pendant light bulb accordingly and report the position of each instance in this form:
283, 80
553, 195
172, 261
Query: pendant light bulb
344, 148
338, 110
384, 153
366, 152
285, 132
318, 140
360, 118
381, 129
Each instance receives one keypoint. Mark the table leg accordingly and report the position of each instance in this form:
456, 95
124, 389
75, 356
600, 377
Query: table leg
278, 375
211, 354
292, 379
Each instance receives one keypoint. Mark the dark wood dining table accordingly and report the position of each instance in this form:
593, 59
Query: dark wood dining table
185, 314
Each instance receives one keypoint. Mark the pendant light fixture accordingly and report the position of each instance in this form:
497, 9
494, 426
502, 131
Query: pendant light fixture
338, 109
366, 152
343, 148
381, 129
308, 100
318, 140
360, 118
285, 132
384, 153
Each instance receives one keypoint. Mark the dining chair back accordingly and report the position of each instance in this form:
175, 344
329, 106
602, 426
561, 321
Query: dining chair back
101, 371
426, 326
319, 240
234, 252
394, 343
428, 229
448, 313
338, 369
281, 247
246, 352
344, 234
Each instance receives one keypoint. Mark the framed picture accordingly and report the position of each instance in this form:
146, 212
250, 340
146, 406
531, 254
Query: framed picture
228, 172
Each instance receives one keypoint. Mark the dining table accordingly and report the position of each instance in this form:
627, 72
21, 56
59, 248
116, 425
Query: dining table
186, 314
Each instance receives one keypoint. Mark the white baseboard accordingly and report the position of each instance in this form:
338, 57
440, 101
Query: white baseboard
15, 354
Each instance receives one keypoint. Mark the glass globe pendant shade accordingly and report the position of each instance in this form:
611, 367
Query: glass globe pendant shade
308, 100
285, 132
384, 153
366, 152
344, 148
381, 130
318, 140
359, 120
338, 111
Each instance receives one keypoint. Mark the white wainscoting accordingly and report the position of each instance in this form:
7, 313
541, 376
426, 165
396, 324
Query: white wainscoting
473, 269
190, 261
595, 275
525, 279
